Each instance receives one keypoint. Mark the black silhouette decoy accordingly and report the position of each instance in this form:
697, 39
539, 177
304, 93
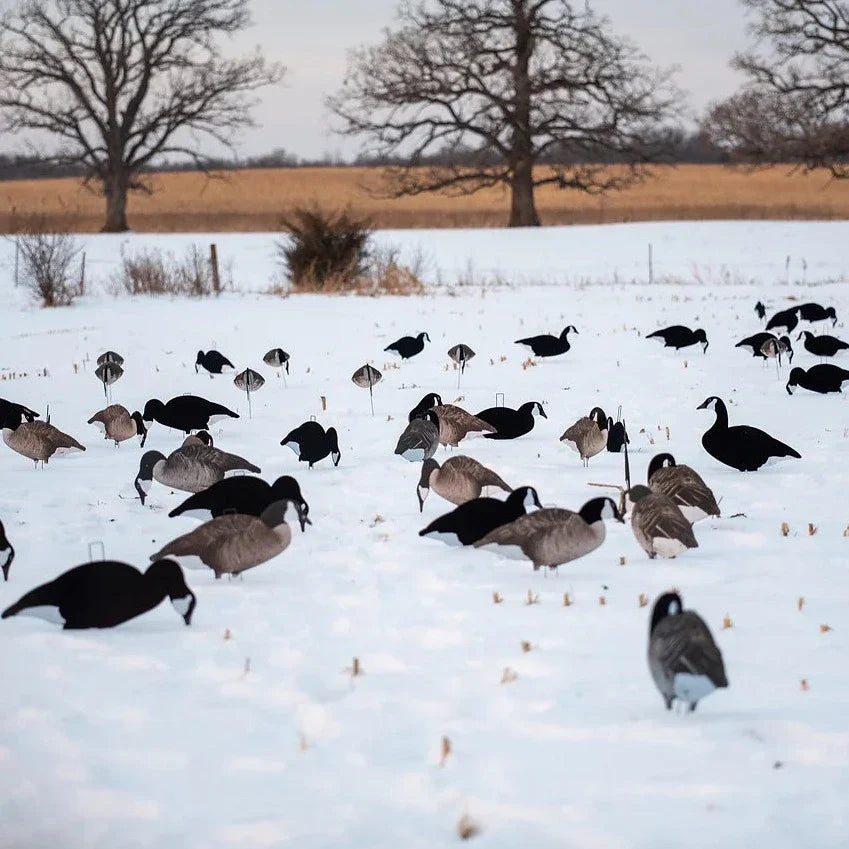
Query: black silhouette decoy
214, 362
823, 379
311, 442
408, 346
787, 319
822, 346
186, 413
431, 400
510, 423
816, 312
10, 408
6, 547
677, 336
760, 309
547, 345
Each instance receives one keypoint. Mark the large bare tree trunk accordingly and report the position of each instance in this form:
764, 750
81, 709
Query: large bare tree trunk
523, 211
116, 187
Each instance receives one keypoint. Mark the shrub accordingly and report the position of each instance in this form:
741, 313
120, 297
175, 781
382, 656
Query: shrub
150, 272
48, 267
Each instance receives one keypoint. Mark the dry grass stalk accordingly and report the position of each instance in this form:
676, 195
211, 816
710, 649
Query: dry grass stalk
727, 623
497, 598
508, 676
602, 600
356, 669
445, 751
800, 603
803, 684
812, 529
567, 600
785, 529
846, 531
622, 560
467, 828
644, 600
526, 646
227, 634
824, 629
532, 599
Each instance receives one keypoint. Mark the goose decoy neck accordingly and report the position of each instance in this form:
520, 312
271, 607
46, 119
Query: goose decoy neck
534, 408
429, 466
141, 430
669, 604
526, 497
718, 406
152, 409
598, 509
660, 461
274, 515
333, 442
795, 375
701, 336
431, 400
600, 418
637, 493
199, 360
423, 336
205, 437
167, 578
832, 314
144, 477
5, 545
806, 333
567, 330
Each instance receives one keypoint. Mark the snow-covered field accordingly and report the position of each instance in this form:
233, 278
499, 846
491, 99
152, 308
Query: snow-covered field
248, 730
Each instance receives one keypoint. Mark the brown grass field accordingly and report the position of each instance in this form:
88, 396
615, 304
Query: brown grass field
256, 200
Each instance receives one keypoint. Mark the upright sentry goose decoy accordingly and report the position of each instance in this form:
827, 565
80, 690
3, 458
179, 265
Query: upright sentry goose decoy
108, 373
37, 440
510, 423
458, 480
105, 594
786, 319
678, 336
685, 487
191, 468
551, 536
547, 345
588, 436
658, 525
312, 443
685, 662
278, 359
116, 422
186, 413
7, 407
7, 552
420, 438
760, 309
816, 312
823, 379
232, 544
822, 346
471, 521
742, 447
214, 362
407, 346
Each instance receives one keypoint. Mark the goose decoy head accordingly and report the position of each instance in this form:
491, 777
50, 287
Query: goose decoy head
806, 333
199, 360
429, 466
169, 577
333, 440
712, 403
144, 477
287, 487
830, 313
526, 496
669, 604
660, 461
700, 336
535, 409
785, 347
793, 380
423, 336
432, 399
141, 429
637, 492
567, 330
598, 509
600, 418
153, 408
5, 545
205, 437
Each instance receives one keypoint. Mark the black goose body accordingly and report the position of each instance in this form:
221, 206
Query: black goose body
755, 343
186, 413
510, 423
408, 346
312, 443
7, 553
760, 309
214, 362
472, 521
742, 447
678, 336
823, 346
547, 345
106, 593
816, 312
788, 319
823, 379
431, 400
11, 409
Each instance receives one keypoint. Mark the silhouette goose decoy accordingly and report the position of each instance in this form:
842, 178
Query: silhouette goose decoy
658, 525
190, 468
678, 336
186, 413
7, 407
110, 357
547, 345
693, 497
742, 447
213, 362
407, 346
822, 346
7, 550
37, 440
458, 480
822, 378
760, 309
420, 438
108, 373
552, 536
234, 543
461, 354
312, 443
816, 312
116, 422
278, 359
787, 319
249, 381
510, 423
471, 521
367, 377
105, 594
588, 436
684, 661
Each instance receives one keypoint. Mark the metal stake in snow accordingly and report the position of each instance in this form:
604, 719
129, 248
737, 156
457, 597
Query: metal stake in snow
366, 377
497, 396
249, 381
92, 547
461, 354
651, 264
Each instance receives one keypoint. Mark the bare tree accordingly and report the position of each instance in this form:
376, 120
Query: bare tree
795, 106
516, 81
120, 83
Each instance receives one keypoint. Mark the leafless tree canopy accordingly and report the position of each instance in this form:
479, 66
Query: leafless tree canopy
517, 80
119, 83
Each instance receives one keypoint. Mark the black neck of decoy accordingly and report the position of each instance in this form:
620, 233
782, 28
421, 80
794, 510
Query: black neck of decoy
13, 420
333, 442
599, 417
165, 580
660, 461
719, 409
669, 604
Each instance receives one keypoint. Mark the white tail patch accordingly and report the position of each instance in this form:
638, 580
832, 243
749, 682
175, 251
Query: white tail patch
692, 688
512, 552
692, 514
100, 426
64, 452
47, 612
666, 547
218, 417
182, 605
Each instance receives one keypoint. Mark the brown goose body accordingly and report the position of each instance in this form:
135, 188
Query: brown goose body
588, 436
39, 440
118, 424
458, 479
684, 486
455, 424
658, 525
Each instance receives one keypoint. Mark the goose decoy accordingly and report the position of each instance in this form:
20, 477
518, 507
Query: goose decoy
461, 354
7, 407
110, 357
693, 497
756, 343
311, 442
760, 309
588, 436
685, 662
823, 378
6, 548
658, 525
420, 438
547, 345
458, 480
742, 447
471, 521
278, 359
510, 423
822, 346
116, 422
455, 424
816, 312
552, 536
214, 362
186, 413
431, 400
202, 437
787, 319
617, 435
408, 346
367, 377
37, 440
234, 543
679, 337
105, 594
190, 468
245, 495
249, 381
776, 349
108, 373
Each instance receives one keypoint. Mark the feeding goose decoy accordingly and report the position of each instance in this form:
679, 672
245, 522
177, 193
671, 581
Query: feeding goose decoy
367, 377
249, 381
105, 594
756, 342
816, 312
547, 345
455, 423
214, 362
510, 423
760, 309
233, 543
822, 346
658, 525
312, 443
108, 373
190, 468
693, 497
685, 662
552, 536
6, 548
458, 480
186, 413
278, 359
471, 521
202, 437
787, 319
461, 354
116, 422
420, 438
588, 436
742, 447
37, 440
823, 378
408, 346
7, 407
678, 336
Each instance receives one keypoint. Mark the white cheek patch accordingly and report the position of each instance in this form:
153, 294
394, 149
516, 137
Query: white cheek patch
201, 514
100, 426
294, 446
182, 605
692, 688
145, 485
692, 514
530, 504
47, 612
63, 452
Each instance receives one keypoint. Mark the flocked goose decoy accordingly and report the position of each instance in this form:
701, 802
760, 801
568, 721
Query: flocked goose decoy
214, 362
786, 319
455, 423
471, 521
823, 378
312, 443
685, 662
755, 343
742, 447
458, 480
7, 407
685, 487
278, 359
420, 438
552, 536
678, 336
116, 422
186, 413
105, 594
823, 346
7, 552
658, 525
408, 346
37, 440
588, 436
547, 345
510, 423
817, 312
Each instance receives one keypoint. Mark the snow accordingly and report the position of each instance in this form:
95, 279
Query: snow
248, 729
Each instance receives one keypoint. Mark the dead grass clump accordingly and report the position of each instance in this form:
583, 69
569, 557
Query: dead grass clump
49, 267
151, 272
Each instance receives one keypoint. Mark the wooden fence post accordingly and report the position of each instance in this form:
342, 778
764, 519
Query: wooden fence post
213, 262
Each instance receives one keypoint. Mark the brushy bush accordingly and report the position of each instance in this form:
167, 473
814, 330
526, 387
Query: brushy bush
49, 267
150, 272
